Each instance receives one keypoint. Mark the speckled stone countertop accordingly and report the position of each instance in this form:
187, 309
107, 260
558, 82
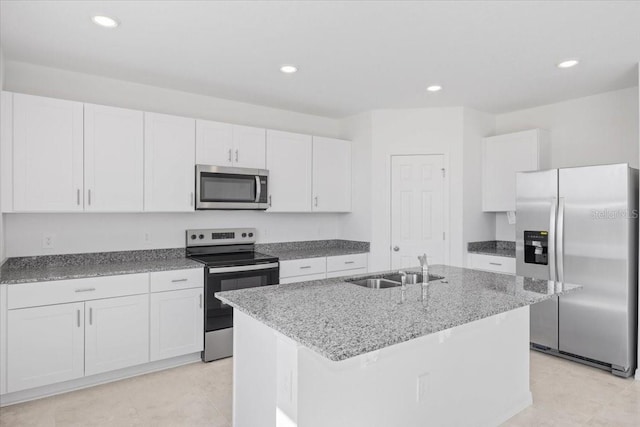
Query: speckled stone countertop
340, 320
493, 247
312, 248
78, 266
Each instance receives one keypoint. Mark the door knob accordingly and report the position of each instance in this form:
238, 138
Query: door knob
396, 248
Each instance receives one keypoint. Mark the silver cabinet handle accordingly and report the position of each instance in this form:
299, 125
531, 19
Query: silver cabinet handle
396, 248
236, 155
200, 300
78, 197
89, 196
349, 262
495, 263
305, 267
315, 201
78, 318
85, 290
91, 315
229, 155
269, 200
178, 280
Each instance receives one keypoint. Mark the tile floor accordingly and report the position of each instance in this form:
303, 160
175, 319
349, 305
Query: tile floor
565, 394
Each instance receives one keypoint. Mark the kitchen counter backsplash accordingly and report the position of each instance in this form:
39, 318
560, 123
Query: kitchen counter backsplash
493, 247
312, 248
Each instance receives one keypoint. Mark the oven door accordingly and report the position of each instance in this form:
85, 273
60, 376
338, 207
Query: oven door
220, 315
230, 188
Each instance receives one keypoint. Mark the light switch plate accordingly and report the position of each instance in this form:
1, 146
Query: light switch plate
48, 240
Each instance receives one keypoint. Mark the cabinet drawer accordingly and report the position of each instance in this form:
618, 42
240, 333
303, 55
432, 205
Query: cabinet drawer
176, 279
354, 272
497, 264
304, 278
303, 267
63, 291
346, 262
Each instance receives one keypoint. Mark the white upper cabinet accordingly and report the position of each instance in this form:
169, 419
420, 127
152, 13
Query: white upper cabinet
331, 175
113, 159
169, 163
224, 144
502, 157
47, 154
250, 147
289, 164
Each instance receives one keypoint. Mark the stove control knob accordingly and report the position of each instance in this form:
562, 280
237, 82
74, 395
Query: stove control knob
244, 234
250, 234
193, 237
201, 236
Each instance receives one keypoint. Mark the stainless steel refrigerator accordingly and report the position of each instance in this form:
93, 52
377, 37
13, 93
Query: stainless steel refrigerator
579, 225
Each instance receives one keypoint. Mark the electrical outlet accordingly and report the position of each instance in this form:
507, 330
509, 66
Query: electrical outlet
48, 240
422, 387
147, 237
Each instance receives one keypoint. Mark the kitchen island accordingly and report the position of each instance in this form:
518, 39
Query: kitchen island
331, 353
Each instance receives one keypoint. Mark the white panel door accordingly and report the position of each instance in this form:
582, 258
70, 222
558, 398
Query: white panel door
45, 345
214, 143
47, 154
331, 175
289, 164
249, 147
177, 323
169, 163
113, 159
417, 223
116, 333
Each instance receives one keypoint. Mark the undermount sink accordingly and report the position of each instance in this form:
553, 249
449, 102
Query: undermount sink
391, 280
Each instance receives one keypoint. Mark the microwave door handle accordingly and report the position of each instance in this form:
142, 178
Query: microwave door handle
258, 189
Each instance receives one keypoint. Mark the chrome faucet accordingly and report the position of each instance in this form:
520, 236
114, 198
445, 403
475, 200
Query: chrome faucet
425, 267
403, 279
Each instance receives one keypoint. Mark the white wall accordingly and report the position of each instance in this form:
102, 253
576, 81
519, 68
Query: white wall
2, 251
102, 232
596, 129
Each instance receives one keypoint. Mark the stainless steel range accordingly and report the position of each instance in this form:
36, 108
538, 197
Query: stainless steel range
231, 263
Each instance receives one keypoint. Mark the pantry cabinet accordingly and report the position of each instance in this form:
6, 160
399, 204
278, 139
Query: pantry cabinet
169, 163
290, 179
47, 151
45, 345
116, 333
331, 175
113, 159
224, 144
505, 155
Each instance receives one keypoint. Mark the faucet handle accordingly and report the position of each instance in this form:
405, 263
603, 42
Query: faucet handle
423, 260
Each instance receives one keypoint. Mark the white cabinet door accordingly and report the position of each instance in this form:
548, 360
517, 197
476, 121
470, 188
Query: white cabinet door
47, 154
113, 159
502, 157
331, 175
45, 345
117, 333
177, 323
214, 143
289, 165
169, 163
249, 147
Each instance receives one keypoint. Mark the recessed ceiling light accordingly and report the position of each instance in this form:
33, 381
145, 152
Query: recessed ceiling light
288, 69
568, 63
105, 21
434, 88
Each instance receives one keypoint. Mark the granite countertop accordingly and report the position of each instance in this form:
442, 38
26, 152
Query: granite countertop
313, 248
78, 266
493, 247
340, 320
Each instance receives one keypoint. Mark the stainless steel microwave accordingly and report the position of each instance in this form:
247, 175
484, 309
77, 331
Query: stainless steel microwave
219, 187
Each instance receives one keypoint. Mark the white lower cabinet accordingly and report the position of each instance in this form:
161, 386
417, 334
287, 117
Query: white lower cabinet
45, 345
177, 325
116, 333
303, 270
493, 263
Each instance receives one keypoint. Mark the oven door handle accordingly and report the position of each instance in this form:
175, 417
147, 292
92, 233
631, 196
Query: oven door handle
216, 270
258, 188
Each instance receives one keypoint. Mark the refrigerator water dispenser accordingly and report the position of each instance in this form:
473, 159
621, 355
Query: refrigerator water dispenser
536, 244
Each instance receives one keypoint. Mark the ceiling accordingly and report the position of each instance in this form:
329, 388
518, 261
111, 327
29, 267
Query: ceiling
352, 56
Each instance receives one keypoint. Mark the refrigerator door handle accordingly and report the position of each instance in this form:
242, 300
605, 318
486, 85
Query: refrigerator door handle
551, 250
560, 241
